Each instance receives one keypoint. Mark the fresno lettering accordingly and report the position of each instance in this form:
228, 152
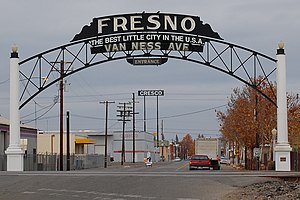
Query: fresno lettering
146, 23
159, 23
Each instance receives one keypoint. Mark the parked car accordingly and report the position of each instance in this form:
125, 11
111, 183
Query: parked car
224, 160
177, 159
200, 162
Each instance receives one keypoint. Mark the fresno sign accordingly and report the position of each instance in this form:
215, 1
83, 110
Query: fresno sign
151, 22
146, 31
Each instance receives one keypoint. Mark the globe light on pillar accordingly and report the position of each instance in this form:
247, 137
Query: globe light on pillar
14, 151
14, 48
282, 148
281, 45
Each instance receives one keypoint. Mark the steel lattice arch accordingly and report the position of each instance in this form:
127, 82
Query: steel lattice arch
242, 63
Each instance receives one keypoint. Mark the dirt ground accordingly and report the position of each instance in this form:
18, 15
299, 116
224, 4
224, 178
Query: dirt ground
277, 189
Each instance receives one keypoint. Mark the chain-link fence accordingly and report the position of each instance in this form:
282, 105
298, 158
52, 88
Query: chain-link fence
50, 162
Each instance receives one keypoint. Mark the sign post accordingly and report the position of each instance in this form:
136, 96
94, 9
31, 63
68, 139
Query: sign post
156, 93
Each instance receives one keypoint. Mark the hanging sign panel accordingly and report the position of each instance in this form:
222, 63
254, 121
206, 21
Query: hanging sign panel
148, 41
146, 61
146, 31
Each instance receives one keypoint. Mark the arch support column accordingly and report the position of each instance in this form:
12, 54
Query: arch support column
14, 151
282, 148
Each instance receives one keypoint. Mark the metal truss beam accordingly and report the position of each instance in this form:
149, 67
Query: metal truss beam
39, 72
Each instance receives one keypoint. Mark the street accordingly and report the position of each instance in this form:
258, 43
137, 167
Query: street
169, 180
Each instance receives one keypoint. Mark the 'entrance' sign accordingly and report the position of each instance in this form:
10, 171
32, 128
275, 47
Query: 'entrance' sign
146, 31
147, 61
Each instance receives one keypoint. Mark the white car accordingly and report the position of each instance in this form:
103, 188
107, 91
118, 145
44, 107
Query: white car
225, 160
177, 159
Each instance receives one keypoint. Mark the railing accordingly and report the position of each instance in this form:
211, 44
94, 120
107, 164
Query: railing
50, 162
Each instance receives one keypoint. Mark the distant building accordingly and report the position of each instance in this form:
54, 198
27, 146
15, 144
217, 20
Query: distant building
28, 137
93, 142
49, 143
165, 150
144, 145
28, 140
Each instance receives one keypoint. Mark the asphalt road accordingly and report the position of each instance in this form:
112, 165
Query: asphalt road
163, 181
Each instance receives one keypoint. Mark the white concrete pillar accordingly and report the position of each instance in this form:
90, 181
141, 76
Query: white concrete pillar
14, 151
282, 148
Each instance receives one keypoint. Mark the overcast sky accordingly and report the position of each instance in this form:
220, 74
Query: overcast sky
36, 26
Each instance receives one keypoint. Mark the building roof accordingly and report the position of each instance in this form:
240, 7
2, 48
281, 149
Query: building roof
5, 121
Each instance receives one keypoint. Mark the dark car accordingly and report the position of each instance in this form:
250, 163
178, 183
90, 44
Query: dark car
200, 162
215, 164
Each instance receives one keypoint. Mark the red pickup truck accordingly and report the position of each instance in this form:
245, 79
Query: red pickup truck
202, 162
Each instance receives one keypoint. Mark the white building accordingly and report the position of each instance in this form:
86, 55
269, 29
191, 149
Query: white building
144, 145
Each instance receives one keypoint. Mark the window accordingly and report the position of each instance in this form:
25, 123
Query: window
24, 144
200, 157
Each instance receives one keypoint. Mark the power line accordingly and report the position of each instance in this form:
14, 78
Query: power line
164, 117
33, 113
190, 113
4, 81
40, 115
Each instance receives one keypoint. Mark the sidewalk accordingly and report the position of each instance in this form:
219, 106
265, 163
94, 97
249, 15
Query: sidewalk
135, 165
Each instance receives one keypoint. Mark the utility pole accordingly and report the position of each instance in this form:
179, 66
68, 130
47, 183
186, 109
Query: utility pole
133, 126
61, 113
61, 122
125, 114
106, 122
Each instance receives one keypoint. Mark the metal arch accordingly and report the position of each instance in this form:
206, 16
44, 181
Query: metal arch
39, 72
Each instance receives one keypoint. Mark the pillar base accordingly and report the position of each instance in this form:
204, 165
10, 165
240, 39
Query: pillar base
282, 157
15, 159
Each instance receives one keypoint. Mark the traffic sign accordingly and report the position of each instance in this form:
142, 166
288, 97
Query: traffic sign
256, 152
